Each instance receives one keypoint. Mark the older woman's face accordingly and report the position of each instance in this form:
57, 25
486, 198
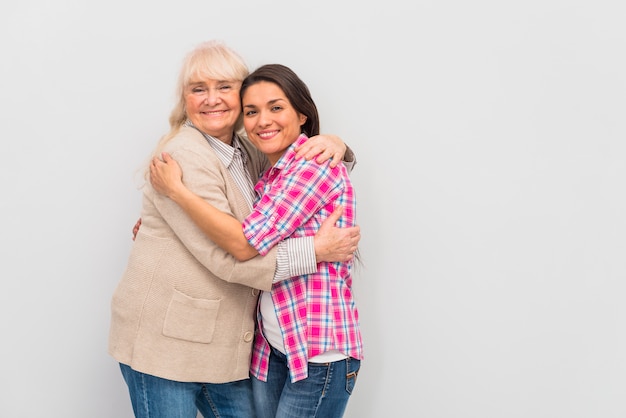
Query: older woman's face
213, 106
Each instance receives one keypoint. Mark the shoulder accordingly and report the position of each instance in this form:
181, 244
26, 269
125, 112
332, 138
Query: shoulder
312, 172
187, 137
189, 141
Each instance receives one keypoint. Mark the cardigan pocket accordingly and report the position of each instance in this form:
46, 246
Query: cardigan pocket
190, 319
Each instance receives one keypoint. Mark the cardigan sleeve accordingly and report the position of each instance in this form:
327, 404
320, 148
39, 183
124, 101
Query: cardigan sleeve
205, 176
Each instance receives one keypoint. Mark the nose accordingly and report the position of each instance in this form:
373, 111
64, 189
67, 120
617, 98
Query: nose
265, 118
212, 97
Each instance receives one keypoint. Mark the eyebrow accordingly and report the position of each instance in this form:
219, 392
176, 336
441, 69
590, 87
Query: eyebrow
271, 102
280, 99
196, 82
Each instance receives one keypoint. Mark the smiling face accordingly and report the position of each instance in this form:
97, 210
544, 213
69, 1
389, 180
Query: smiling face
213, 106
271, 122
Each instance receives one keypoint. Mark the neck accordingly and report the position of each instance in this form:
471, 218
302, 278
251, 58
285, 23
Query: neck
274, 157
227, 139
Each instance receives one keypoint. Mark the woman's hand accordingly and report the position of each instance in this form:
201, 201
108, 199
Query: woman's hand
136, 228
166, 175
336, 244
324, 147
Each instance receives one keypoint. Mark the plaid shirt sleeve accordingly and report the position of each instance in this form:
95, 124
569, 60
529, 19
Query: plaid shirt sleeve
294, 200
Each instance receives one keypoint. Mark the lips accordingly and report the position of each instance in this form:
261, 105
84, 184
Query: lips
214, 112
267, 134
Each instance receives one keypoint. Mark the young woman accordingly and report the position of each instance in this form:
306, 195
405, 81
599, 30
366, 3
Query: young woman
308, 325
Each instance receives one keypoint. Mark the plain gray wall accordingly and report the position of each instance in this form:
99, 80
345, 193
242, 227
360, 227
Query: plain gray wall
491, 172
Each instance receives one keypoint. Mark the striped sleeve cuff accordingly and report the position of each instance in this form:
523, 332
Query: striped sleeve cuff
295, 257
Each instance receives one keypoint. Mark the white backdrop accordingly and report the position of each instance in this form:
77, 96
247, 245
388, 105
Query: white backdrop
490, 177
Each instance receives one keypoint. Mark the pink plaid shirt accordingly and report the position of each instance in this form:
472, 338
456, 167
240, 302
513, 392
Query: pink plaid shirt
316, 312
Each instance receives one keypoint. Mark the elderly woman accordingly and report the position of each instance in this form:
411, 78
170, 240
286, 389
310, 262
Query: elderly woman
182, 320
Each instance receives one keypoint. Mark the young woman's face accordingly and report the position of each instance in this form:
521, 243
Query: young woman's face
213, 106
271, 123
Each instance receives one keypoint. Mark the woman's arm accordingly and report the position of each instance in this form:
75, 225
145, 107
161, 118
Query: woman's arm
164, 221
296, 200
325, 147
222, 228
331, 243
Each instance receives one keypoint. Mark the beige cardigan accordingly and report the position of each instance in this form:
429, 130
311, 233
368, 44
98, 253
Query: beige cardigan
184, 309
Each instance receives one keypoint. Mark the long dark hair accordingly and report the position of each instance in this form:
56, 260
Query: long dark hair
294, 88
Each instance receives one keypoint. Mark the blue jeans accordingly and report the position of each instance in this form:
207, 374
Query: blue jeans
154, 397
323, 394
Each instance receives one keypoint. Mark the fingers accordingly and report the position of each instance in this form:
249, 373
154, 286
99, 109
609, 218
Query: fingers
326, 155
136, 228
353, 233
309, 152
336, 214
354, 247
355, 237
332, 219
350, 243
166, 157
300, 153
320, 154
